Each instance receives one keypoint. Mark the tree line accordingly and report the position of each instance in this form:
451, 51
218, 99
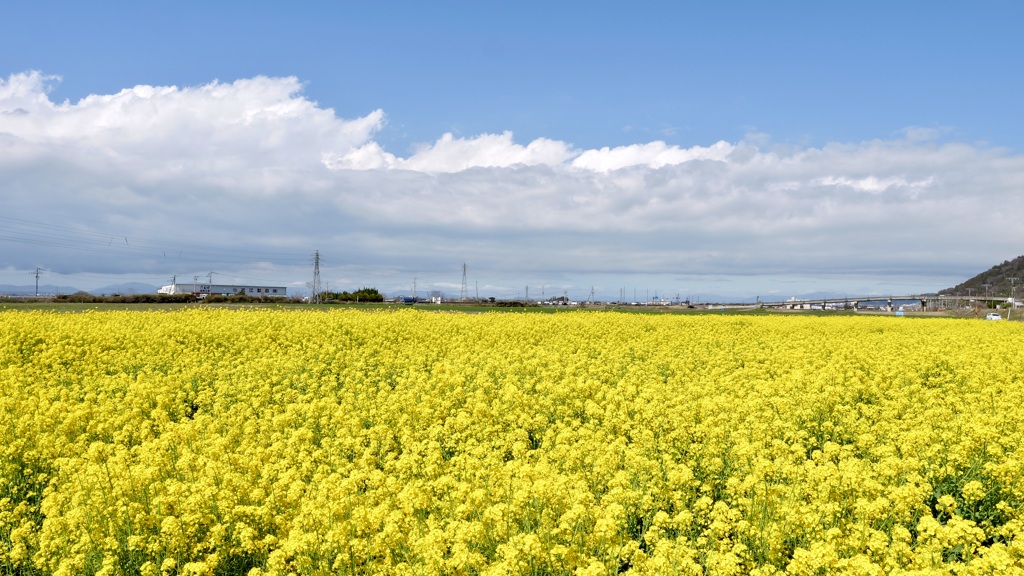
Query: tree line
361, 295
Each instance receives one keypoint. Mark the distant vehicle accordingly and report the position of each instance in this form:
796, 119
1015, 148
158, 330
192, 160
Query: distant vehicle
993, 316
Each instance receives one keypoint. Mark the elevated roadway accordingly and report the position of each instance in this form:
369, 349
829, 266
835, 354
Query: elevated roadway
855, 302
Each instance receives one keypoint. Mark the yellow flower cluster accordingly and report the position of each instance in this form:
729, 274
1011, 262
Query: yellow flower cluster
253, 442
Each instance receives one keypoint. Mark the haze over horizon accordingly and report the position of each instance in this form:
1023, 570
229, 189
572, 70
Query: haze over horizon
739, 150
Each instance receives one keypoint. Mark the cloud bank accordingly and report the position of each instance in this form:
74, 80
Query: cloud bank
251, 176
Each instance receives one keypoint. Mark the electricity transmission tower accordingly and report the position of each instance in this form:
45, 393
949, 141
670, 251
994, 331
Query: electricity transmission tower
462, 293
38, 270
316, 278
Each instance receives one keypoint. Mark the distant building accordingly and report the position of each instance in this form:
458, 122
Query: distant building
225, 290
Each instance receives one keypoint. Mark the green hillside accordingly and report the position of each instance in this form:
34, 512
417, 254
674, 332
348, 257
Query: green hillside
996, 281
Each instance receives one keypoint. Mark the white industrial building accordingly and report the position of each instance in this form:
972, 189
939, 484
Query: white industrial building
225, 290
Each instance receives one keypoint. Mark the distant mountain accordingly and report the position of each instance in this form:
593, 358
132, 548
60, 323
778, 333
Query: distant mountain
126, 289
996, 281
30, 290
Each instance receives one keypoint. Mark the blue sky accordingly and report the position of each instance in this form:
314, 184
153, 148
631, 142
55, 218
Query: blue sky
591, 73
906, 111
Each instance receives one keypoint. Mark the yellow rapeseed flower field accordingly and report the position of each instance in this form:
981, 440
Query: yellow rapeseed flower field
252, 442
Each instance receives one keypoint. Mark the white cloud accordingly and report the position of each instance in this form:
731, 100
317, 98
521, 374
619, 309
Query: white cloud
239, 131
451, 154
874, 185
652, 155
252, 171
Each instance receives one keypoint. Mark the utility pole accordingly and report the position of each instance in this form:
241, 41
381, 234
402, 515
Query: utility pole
38, 270
1013, 301
316, 277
